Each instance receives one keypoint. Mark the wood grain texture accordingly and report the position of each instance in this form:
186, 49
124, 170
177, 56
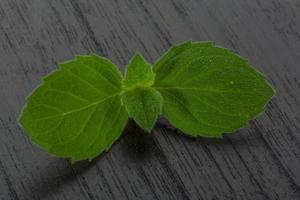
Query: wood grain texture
261, 161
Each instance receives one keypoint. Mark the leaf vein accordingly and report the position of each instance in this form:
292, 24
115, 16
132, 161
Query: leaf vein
103, 77
200, 121
92, 86
76, 110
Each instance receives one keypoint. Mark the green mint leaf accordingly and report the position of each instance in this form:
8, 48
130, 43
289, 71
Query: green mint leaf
208, 90
143, 105
138, 73
77, 111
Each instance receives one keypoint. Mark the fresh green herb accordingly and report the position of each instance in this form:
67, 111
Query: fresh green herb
81, 109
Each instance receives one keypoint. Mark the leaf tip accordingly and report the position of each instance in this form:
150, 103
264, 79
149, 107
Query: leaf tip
138, 57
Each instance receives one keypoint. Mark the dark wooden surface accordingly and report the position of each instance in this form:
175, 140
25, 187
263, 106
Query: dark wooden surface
261, 161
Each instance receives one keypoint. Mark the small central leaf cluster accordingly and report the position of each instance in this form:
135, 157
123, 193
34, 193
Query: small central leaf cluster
142, 102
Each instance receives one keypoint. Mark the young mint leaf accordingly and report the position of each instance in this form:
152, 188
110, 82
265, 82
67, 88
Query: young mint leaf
143, 105
77, 111
208, 90
138, 73
142, 102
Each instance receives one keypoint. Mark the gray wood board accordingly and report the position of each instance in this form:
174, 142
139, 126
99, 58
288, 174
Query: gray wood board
261, 161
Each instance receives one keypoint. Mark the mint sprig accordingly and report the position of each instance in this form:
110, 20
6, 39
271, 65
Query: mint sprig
81, 109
